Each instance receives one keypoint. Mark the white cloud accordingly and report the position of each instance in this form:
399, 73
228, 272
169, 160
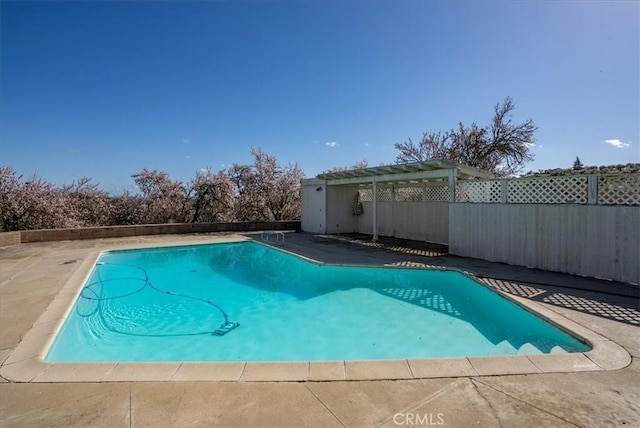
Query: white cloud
331, 144
616, 143
187, 157
367, 144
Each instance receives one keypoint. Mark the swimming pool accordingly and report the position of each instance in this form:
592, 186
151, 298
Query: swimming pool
248, 302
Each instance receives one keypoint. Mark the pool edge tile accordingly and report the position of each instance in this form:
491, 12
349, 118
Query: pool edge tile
75, 372
233, 237
150, 372
31, 348
24, 371
275, 371
609, 355
563, 363
494, 365
327, 370
219, 372
378, 369
441, 367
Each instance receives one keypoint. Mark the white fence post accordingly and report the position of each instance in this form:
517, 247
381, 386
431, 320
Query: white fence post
592, 196
504, 191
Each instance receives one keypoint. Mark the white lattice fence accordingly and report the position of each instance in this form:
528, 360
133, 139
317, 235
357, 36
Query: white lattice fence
478, 191
366, 195
385, 194
619, 189
622, 189
548, 190
437, 194
408, 194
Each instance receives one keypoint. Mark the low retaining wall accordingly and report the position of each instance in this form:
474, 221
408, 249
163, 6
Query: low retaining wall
9, 238
24, 236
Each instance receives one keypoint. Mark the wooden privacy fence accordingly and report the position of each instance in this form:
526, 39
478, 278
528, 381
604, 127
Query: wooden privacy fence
586, 225
579, 224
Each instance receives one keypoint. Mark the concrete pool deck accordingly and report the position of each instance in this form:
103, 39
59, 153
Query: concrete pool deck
598, 388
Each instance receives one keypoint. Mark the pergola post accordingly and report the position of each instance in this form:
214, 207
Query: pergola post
375, 209
325, 226
453, 178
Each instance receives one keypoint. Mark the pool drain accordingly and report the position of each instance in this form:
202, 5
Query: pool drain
226, 327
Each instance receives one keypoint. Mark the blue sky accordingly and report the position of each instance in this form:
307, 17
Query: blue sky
104, 89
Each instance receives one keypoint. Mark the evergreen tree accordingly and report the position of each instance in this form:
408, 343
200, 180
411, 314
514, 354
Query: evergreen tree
577, 164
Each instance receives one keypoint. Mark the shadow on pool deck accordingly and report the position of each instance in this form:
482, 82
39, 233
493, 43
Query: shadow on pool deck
32, 274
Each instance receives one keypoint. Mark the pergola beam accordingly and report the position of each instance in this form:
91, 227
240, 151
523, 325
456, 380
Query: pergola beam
403, 172
418, 175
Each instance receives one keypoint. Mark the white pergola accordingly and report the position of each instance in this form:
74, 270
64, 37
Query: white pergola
415, 173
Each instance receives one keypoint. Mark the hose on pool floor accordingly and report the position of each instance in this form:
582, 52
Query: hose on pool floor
224, 328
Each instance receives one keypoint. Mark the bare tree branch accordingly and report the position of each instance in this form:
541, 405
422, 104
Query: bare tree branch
503, 147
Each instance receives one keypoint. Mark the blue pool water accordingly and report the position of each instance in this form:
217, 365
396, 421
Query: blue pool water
248, 302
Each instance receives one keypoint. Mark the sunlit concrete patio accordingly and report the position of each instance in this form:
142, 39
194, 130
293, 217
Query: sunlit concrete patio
32, 275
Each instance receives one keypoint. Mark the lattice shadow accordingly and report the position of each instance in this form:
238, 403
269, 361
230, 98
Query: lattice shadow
394, 245
627, 312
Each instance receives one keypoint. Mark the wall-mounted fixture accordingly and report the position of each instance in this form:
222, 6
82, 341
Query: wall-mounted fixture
319, 189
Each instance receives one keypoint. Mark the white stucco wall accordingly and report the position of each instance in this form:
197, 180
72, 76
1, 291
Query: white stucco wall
313, 205
340, 201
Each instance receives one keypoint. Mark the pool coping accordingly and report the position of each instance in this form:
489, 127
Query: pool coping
26, 363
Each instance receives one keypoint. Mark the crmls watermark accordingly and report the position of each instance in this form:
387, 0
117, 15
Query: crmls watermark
418, 419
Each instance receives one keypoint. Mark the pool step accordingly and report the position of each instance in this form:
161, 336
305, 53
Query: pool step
528, 348
504, 348
558, 350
